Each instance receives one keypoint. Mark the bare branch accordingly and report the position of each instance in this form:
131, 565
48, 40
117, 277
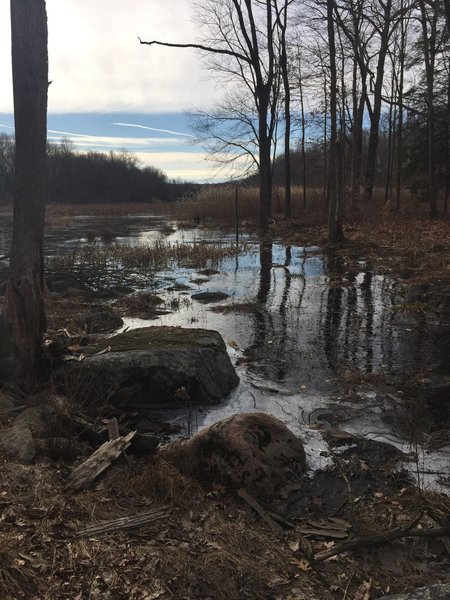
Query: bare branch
209, 49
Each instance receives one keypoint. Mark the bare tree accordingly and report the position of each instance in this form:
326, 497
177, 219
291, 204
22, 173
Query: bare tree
334, 225
428, 19
242, 41
23, 315
282, 22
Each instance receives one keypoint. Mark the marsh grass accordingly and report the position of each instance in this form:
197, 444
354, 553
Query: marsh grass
163, 484
97, 264
411, 307
214, 205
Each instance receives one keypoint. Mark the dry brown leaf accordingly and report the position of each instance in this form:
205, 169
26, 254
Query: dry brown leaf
363, 591
301, 563
294, 544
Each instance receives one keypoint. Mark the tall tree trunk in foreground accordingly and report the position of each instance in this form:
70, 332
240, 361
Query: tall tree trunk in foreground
24, 311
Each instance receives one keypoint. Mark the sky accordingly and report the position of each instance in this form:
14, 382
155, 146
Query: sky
110, 92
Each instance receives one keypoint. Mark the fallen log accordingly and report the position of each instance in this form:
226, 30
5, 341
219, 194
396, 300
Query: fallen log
379, 538
99, 461
124, 523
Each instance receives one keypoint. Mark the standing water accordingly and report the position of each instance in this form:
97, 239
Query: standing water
319, 341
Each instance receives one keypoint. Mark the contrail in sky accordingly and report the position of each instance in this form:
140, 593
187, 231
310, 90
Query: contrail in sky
154, 129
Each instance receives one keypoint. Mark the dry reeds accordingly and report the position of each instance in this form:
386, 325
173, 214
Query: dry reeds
163, 484
154, 256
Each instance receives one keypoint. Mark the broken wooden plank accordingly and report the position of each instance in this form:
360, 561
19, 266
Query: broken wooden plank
124, 523
99, 461
113, 428
242, 492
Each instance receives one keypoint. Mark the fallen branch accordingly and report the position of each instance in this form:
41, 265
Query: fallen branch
242, 492
373, 540
99, 461
123, 523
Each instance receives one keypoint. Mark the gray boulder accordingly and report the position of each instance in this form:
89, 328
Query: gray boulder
250, 450
18, 443
439, 591
32, 428
150, 366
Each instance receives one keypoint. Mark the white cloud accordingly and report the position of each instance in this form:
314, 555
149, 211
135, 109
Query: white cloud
98, 65
191, 166
153, 129
113, 142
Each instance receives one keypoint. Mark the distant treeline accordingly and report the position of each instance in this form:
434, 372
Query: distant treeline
94, 177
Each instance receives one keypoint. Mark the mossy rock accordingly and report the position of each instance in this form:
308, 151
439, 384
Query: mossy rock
147, 366
250, 450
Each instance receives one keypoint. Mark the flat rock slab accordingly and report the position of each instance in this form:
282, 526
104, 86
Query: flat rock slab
254, 451
148, 365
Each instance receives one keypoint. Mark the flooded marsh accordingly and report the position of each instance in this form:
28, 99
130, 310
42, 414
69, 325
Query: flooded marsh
321, 340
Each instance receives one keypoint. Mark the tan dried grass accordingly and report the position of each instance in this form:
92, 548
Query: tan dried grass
163, 484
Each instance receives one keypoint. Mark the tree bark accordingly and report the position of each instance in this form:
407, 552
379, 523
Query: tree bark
429, 42
303, 138
400, 112
334, 226
372, 151
24, 310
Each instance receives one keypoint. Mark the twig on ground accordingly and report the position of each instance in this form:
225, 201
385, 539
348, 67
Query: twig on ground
382, 538
123, 523
242, 492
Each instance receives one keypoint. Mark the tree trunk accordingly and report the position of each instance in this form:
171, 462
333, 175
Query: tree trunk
400, 113
265, 171
326, 187
303, 140
287, 116
334, 226
377, 99
24, 311
429, 49
392, 116
447, 14
447, 162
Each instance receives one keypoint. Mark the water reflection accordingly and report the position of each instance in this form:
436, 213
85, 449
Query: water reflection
315, 316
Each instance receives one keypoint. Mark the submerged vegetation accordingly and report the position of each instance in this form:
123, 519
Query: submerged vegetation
96, 264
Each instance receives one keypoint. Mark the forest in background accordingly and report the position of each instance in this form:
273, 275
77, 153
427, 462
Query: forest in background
344, 97
93, 177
